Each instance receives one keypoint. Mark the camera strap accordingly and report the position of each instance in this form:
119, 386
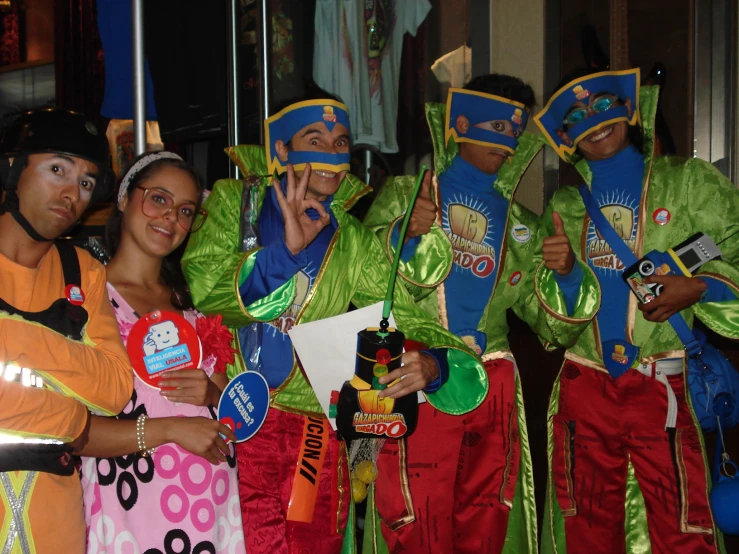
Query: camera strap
627, 257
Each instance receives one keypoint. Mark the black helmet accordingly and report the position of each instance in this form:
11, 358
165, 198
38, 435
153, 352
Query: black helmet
64, 132
52, 131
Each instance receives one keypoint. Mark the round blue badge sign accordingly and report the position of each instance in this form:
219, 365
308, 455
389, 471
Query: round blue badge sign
244, 404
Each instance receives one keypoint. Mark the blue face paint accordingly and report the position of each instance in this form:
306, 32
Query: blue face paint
558, 114
478, 107
283, 125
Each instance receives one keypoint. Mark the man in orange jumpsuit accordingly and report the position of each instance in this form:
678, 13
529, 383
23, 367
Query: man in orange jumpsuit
61, 355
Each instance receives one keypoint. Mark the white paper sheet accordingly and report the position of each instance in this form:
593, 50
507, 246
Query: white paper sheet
328, 349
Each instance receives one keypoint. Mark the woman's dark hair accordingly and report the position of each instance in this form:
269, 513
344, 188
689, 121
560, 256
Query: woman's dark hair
506, 86
171, 275
635, 134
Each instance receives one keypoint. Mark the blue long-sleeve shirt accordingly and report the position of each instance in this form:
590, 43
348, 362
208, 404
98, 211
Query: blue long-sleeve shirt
274, 265
474, 219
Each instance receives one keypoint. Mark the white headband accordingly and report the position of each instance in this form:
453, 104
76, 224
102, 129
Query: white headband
138, 166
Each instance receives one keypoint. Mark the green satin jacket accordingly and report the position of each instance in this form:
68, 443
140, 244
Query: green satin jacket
520, 259
699, 199
354, 270
521, 265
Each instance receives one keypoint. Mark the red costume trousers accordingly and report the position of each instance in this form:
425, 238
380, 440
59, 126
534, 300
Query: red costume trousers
455, 474
267, 465
601, 425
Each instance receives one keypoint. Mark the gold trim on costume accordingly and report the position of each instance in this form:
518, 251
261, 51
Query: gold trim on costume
568, 474
504, 242
236, 282
583, 255
340, 484
441, 305
728, 282
509, 459
550, 311
306, 303
685, 527
405, 488
389, 248
363, 191
441, 289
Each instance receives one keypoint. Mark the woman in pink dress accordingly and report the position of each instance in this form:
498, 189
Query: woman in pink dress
159, 478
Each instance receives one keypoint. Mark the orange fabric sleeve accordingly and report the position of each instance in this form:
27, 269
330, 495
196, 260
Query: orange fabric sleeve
96, 372
34, 412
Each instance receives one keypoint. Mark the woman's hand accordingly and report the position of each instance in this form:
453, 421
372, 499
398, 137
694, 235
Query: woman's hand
201, 436
191, 386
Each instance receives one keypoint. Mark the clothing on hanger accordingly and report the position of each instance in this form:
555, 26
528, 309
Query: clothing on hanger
358, 48
455, 67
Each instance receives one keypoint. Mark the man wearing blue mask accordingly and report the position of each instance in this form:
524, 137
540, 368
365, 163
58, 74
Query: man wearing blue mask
471, 478
312, 261
627, 467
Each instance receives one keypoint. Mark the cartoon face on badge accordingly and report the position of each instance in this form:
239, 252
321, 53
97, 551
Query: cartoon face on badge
161, 335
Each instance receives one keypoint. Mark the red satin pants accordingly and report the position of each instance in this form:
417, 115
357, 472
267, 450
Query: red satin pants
267, 464
455, 474
601, 425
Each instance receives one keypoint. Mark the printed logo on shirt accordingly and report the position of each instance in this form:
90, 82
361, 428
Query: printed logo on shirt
621, 211
303, 284
468, 226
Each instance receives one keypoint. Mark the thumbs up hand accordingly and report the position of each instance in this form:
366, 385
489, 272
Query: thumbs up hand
557, 251
424, 211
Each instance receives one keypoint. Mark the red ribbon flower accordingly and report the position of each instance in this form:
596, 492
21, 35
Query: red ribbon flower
216, 340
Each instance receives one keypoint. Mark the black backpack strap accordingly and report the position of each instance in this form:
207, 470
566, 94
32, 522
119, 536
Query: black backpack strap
70, 264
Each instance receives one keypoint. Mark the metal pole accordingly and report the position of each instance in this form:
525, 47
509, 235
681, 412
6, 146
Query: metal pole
139, 83
367, 165
264, 65
234, 89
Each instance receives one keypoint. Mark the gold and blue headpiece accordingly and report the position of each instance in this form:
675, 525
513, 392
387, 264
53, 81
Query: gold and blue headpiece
284, 124
624, 84
479, 107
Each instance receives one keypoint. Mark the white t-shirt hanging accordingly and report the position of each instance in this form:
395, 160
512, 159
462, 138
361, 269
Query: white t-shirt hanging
358, 48
454, 67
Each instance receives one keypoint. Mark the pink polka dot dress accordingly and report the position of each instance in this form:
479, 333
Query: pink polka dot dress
175, 502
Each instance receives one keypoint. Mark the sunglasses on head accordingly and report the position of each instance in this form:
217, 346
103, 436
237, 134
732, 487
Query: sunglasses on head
601, 104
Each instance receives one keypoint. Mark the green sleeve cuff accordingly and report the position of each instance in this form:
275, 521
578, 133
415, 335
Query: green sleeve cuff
553, 301
467, 385
431, 263
721, 317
